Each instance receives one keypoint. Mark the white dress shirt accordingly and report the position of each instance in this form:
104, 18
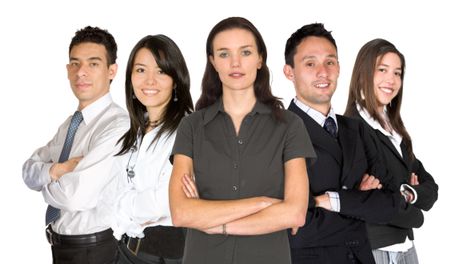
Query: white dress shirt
145, 197
85, 195
316, 115
396, 140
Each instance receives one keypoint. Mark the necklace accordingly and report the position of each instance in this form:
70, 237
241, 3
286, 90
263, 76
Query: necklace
130, 168
153, 124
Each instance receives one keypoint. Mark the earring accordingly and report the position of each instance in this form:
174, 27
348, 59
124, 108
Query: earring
134, 96
175, 97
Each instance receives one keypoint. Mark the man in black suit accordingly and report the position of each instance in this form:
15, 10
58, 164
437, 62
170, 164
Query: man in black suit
343, 190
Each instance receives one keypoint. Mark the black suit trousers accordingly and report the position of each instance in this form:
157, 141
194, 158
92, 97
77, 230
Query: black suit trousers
103, 253
350, 254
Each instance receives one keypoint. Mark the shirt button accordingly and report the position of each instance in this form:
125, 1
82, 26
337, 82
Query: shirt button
240, 142
235, 166
235, 188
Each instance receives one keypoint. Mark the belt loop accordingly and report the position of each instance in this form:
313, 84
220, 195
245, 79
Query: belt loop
49, 235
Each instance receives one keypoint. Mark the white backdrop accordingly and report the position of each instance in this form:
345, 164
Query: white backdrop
36, 97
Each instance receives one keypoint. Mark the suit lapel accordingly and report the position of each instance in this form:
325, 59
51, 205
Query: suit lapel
406, 158
347, 139
319, 137
385, 140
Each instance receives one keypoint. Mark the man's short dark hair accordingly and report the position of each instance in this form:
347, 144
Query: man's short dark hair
315, 30
98, 36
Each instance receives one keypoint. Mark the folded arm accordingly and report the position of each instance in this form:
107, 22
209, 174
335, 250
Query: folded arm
82, 188
203, 214
287, 213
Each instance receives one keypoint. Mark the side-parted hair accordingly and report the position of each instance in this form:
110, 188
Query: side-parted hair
171, 61
362, 89
310, 30
97, 36
211, 83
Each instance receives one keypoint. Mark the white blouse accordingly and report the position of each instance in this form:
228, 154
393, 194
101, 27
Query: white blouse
144, 198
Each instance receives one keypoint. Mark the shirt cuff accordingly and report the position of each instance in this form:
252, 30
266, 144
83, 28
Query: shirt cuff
44, 177
334, 201
407, 187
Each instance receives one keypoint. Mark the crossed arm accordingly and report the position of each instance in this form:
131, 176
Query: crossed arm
249, 216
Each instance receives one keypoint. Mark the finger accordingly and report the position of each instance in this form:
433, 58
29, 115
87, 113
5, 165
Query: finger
187, 186
186, 192
416, 179
375, 182
363, 186
190, 192
191, 185
379, 186
294, 231
365, 177
413, 176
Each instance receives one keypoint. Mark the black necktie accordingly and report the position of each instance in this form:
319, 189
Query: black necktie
330, 126
53, 213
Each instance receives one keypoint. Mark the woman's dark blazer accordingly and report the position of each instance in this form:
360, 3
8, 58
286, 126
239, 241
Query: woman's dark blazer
399, 169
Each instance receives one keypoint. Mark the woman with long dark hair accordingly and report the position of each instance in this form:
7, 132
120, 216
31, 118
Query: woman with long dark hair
157, 96
239, 177
375, 97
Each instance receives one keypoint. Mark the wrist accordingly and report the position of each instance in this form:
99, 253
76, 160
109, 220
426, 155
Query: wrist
52, 172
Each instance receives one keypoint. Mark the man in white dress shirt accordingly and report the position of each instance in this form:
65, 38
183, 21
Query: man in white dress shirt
81, 188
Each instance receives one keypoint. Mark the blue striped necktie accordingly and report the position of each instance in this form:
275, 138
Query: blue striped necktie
53, 213
330, 126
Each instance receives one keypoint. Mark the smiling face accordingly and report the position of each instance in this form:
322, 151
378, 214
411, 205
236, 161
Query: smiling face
236, 59
315, 72
89, 73
387, 79
152, 87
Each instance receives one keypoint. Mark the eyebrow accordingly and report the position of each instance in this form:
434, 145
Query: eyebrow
140, 64
387, 65
89, 59
241, 47
313, 57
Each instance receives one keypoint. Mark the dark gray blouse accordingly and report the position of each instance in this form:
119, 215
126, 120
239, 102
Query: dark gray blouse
229, 167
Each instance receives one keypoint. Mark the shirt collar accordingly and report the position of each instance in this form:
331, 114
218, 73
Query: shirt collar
314, 114
92, 110
375, 125
214, 109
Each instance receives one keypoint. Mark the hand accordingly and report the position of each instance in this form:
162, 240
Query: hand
414, 180
57, 170
409, 196
323, 201
369, 183
189, 187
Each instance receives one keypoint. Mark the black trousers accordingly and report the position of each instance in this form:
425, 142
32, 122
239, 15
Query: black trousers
101, 253
125, 256
353, 254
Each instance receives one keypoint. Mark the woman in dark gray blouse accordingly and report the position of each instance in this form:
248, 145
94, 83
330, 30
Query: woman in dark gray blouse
246, 155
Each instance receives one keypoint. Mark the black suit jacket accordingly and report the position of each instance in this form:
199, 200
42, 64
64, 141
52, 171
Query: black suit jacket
339, 167
399, 168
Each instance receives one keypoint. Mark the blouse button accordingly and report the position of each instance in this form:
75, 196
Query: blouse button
235, 188
240, 142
